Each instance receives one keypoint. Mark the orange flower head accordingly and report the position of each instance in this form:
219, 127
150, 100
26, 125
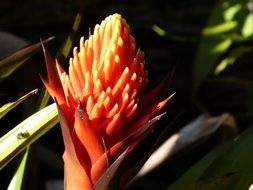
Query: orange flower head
101, 101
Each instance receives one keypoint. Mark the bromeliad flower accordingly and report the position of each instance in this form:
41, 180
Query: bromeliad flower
102, 105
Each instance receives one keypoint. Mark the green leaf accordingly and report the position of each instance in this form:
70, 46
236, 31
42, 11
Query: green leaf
208, 54
16, 182
43, 99
219, 34
11, 63
231, 58
66, 47
247, 29
26, 133
227, 167
219, 28
230, 12
9, 106
161, 32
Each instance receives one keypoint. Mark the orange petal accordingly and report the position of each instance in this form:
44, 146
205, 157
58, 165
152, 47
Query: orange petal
74, 79
89, 105
114, 128
85, 65
107, 103
113, 111
121, 83
98, 87
97, 44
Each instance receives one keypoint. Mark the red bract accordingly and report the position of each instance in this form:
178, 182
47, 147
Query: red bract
102, 105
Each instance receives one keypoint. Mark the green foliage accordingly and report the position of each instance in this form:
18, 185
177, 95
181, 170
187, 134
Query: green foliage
26, 133
230, 59
229, 18
11, 63
63, 53
9, 106
247, 29
227, 167
17, 180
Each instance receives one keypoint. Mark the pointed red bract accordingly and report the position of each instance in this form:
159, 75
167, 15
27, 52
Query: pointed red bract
103, 109
88, 136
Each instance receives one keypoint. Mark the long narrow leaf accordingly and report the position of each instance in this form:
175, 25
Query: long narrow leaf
44, 97
26, 133
11, 63
9, 106
228, 167
16, 182
66, 47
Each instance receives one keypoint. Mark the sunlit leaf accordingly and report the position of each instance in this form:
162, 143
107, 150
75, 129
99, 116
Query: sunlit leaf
43, 99
227, 167
219, 28
208, 55
230, 13
16, 182
9, 106
217, 37
247, 29
11, 63
26, 133
66, 47
221, 47
161, 32
231, 58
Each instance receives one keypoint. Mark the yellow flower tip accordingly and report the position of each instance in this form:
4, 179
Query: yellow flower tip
116, 16
116, 58
120, 42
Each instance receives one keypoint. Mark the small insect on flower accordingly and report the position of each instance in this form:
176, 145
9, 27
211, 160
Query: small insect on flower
104, 109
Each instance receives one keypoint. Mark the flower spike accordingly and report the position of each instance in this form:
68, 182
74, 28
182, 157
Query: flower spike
103, 108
